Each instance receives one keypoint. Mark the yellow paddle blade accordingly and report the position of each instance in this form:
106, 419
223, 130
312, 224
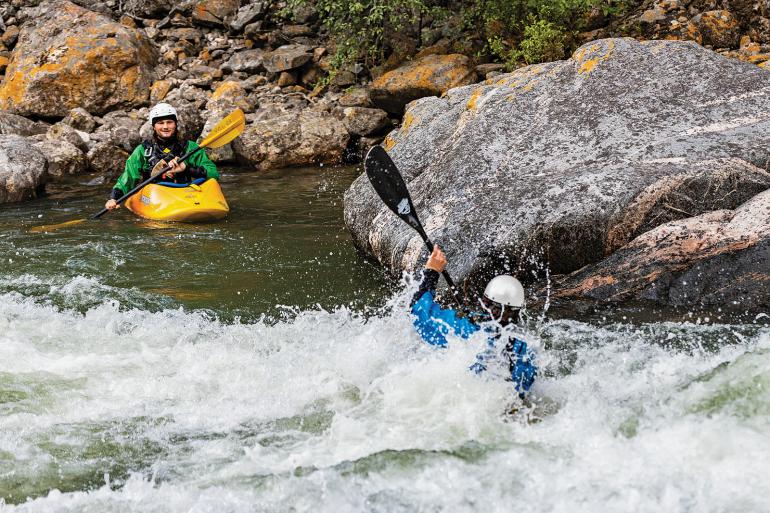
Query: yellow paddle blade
52, 227
226, 130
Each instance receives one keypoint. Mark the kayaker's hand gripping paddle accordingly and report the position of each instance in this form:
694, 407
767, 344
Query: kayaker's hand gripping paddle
391, 188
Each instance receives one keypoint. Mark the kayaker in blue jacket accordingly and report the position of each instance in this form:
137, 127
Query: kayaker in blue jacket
502, 302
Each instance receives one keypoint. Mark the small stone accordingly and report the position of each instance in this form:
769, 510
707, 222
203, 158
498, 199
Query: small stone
127, 21
159, 90
80, 119
286, 79
653, 15
745, 41
10, 36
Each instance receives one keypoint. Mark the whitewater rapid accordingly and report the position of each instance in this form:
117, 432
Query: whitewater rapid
124, 409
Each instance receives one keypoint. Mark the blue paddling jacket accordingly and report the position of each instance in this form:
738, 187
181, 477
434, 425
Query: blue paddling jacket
434, 323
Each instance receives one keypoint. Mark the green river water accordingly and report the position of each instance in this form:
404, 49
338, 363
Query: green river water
260, 364
284, 244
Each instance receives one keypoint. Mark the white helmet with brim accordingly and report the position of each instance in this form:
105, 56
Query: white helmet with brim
162, 110
505, 290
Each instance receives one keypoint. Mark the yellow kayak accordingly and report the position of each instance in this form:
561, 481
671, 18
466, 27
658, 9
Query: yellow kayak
175, 202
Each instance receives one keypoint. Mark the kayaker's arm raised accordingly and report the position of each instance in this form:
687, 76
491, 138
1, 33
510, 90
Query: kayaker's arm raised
502, 300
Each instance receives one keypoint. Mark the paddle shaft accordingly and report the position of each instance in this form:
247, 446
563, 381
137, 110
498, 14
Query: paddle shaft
149, 180
387, 181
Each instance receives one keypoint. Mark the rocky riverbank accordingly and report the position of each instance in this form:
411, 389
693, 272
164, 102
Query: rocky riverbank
580, 167
82, 75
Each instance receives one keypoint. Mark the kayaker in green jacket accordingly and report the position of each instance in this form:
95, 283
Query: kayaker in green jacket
151, 157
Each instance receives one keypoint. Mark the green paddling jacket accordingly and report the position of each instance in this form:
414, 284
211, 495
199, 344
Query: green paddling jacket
146, 155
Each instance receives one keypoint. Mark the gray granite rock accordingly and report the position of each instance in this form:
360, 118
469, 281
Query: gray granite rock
292, 138
561, 164
13, 124
23, 169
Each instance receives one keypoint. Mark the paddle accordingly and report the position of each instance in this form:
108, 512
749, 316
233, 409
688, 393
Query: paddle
224, 132
390, 187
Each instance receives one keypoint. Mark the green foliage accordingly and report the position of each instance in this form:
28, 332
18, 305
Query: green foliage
513, 31
543, 41
530, 31
363, 29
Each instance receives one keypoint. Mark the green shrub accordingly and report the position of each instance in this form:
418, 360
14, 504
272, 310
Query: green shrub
513, 31
543, 41
363, 28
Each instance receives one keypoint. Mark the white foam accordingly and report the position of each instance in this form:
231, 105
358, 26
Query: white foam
331, 411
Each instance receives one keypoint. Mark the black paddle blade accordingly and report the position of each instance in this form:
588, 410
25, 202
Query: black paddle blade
390, 186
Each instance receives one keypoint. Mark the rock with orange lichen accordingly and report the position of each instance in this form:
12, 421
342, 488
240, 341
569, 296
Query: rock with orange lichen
559, 165
70, 57
431, 75
215, 12
718, 258
230, 95
719, 29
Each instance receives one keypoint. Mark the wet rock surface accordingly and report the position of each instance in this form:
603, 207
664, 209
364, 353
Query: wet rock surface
23, 169
558, 165
716, 259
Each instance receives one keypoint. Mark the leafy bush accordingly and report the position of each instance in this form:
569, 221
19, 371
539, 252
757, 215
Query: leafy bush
363, 28
543, 41
514, 31
531, 31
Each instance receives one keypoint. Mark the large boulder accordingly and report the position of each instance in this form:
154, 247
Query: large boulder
431, 75
287, 57
22, 169
717, 259
13, 124
560, 164
363, 121
70, 57
107, 159
64, 158
294, 138
122, 129
248, 61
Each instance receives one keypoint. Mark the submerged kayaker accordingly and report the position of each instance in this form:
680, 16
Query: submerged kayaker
502, 302
151, 157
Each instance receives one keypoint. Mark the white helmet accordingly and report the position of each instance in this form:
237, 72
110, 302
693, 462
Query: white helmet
162, 110
505, 290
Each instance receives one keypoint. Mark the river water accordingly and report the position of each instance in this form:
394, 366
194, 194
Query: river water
261, 365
